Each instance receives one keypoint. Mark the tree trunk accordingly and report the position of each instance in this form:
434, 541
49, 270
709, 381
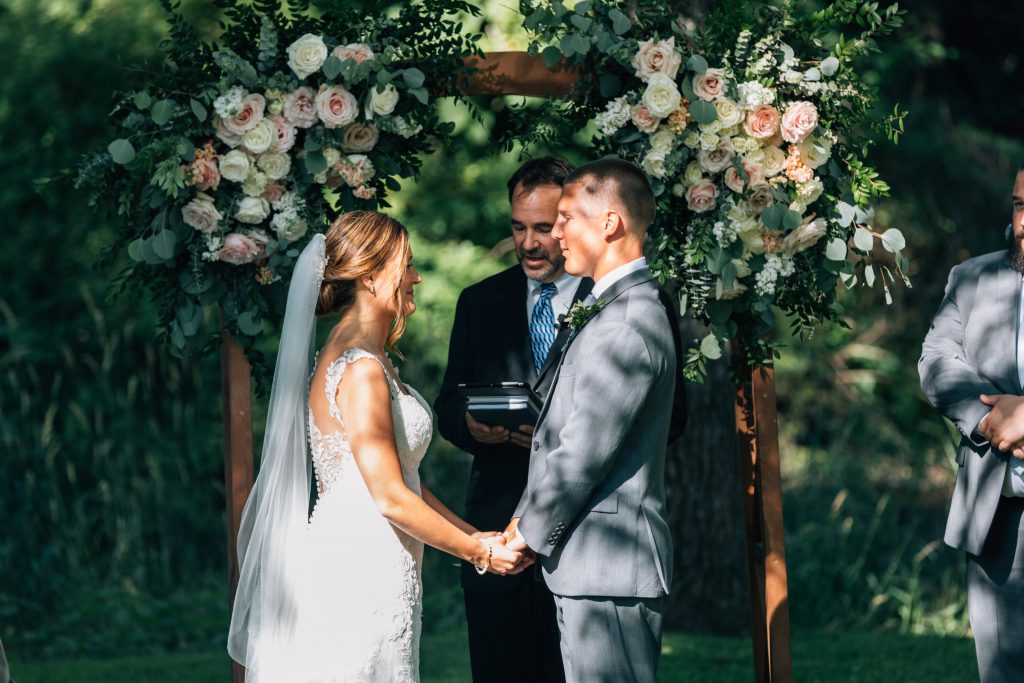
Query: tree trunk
709, 588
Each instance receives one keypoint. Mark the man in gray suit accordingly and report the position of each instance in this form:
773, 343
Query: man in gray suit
972, 371
594, 505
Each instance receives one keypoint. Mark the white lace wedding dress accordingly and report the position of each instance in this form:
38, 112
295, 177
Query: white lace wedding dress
360, 603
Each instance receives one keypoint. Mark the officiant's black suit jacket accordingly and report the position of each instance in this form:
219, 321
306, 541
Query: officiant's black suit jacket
490, 342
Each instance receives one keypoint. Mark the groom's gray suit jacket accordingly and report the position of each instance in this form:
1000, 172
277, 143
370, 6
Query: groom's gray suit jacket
594, 505
971, 350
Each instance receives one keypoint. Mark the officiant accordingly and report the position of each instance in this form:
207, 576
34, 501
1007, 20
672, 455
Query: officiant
504, 329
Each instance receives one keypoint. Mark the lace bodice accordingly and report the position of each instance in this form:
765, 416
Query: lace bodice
330, 448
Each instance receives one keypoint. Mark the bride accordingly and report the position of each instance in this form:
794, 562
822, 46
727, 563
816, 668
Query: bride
335, 595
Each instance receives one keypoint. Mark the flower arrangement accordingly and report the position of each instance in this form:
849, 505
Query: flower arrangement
236, 152
751, 135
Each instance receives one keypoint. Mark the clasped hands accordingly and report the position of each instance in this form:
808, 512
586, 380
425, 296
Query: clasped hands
508, 555
1003, 426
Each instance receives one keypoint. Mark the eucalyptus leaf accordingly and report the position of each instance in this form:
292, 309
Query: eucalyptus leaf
718, 312
316, 162
846, 214
869, 275
413, 77
836, 250
697, 63
711, 348
420, 94
164, 243
703, 112
122, 151
773, 216
162, 112
148, 254
893, 240
620, 22
812, 75
249, 324
198, 109
829, 66
331, 67
863, 239
135, 250
686, 87
791, 220
142, 99
582, 23
566, 45
550, 55
177, 336
610, 85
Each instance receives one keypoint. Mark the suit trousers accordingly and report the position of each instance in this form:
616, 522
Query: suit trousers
995, 596
610, 640
513, 636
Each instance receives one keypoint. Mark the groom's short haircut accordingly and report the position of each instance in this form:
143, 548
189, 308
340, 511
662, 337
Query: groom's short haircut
538, 172
619, 180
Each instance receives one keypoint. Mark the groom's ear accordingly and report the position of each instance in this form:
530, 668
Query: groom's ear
612, 224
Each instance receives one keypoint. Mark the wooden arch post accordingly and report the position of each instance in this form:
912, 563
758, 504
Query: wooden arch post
517, 73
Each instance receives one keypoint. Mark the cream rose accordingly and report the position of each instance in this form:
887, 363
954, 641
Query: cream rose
234, 166
381, 102
729, 113
709, 141
357, 52
248, 116
799, 121
657, 58
306, 55
331, 155
700, 198
661, 96
360, 137
238, 249
718, 159
336, 106
300, 107
201, 214
642, 119
663, 141
653, 163
285, 134
693, 174
804, 237
762, 122
815, 151
709, 85
255, 183
287, 228
226, 136
252, 210
773, 161
260, 137
275, 165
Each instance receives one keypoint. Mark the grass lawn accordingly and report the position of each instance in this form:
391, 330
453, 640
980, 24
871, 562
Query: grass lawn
818, 658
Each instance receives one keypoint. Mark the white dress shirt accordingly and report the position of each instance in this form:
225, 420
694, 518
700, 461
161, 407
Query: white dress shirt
1013, 483
565, 290
613, 276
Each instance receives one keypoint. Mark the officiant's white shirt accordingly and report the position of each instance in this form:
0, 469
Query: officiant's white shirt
565, 290
613, 276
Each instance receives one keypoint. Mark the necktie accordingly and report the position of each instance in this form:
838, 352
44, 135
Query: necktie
542, 326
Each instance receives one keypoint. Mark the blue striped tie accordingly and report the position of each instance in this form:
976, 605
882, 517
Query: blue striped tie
542, 326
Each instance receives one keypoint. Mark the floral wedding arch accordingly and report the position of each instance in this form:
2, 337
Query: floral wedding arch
753, 132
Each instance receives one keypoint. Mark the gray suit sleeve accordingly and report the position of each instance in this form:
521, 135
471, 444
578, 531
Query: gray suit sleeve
952, 384
609, 392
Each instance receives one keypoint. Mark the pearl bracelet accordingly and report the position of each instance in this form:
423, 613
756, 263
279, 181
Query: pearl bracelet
481, 569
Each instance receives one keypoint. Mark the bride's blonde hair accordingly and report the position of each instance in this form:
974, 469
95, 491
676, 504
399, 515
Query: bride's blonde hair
363, 244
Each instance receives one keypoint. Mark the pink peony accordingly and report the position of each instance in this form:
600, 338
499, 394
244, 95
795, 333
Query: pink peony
300, 107
238, 249
248, 116
799, 121
700, 198
763, 122
336, 106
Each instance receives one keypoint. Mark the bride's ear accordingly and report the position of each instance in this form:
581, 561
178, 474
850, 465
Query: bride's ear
369, 284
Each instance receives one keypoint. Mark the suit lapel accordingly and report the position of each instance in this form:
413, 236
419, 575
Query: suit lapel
564, 332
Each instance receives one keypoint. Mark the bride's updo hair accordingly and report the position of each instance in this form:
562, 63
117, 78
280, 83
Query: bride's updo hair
363, 244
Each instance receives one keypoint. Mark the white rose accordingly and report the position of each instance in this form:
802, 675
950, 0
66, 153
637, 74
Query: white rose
306, 55
234, 166
252, 210
654, 163
713, 127
692, 139
662, 141
201, 214
260, 137
809, 191
693, 173
804, 237
382, 102
708, 141
255, 183
331, 155
275, 165
661, 96
773, 162
729, 113
815, 151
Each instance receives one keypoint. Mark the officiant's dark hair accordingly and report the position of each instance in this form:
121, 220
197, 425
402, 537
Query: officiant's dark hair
362, 244
537, 172
627, 182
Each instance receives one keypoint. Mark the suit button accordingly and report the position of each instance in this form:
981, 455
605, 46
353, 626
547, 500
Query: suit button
536, 446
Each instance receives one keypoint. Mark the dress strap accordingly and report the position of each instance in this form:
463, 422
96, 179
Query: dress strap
337, 368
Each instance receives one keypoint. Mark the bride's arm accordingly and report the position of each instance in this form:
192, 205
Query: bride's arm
364, 399
440, 508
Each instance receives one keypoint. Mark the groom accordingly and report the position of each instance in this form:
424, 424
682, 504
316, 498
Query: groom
594, 505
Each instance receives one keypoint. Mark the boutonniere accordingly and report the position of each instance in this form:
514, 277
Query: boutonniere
581, 313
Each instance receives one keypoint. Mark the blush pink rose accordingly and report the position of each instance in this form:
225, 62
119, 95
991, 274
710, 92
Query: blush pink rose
642, 118
709, 85
700, 198
261, 240
205, 173
799, 121
336, 106
763, 122
657, 58
360, 137
761, 197
230, 139
735, 183
357, 52
285, 134
300, 107
248, 116
238, 249
273, 191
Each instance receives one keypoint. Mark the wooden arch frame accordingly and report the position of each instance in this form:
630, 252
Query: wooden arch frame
517, 73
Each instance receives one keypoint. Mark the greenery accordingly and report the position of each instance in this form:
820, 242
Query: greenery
817, 658
113, 503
